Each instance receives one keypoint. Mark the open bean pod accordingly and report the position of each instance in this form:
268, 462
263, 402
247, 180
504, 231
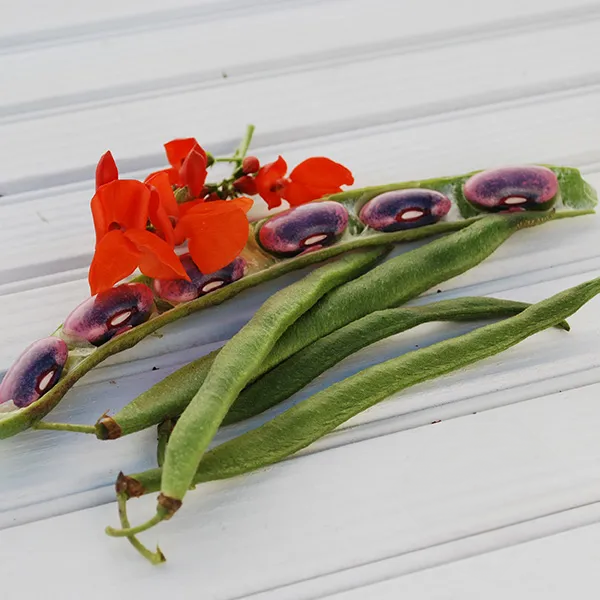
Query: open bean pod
301, 236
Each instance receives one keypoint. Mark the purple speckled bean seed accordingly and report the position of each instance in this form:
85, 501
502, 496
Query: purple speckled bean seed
34, 372
293, 231
404, 209
528, 188
177, 291
109, 313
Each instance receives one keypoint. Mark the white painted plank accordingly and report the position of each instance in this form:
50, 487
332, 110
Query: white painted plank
555, 567
63, 17
170, 60
74, 141
355, 505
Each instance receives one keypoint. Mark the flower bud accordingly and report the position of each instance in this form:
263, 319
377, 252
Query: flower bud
245, 185
250, 165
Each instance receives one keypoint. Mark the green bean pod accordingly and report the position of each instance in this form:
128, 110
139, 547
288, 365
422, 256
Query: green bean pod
236, 364
300, 369
388, 285
383, 287
263, 265
400, 279
311, 419
168, 398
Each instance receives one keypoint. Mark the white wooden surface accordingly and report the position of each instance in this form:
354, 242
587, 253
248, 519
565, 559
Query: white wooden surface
499, 499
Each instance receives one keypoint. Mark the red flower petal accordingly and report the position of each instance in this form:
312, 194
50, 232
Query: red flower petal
243, 202
217, 233
296, 193
322, 173
267, 180
177, 150
122, 203
193, 172
157, 258
186, 207
106, 170
115, 258
160, 180
159, 217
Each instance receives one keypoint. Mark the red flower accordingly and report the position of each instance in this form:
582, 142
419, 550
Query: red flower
188, 162
106, 170
121, 210
217, 232
310, 180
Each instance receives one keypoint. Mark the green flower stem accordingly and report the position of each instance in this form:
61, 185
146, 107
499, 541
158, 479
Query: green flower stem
242, 149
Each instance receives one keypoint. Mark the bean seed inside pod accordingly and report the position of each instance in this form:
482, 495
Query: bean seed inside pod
404, 209
177, 291
512, 188
302, 227
101, 317
37, 370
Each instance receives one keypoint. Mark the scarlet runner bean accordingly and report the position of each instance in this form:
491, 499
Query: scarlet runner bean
299, 370
400, 279
169, 398
382, 287
303, 424
235, 365
387, 285
574, 192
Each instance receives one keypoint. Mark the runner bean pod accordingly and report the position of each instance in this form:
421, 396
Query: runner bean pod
235, 365
391, 283
574, 193
402, 278
299, 370
168, 398
306, 422
387, 285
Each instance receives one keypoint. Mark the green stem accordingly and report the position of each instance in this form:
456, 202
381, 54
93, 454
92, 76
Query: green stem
227, 159
129, 531
154, 557
242, 149
64, 427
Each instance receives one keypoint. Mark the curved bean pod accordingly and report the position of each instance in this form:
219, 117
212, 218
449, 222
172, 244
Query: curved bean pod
233, 368
168, 398
20, 420
236, 364
299, 370
242, 357
303, 424
574, 190
387, 285
402, 278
